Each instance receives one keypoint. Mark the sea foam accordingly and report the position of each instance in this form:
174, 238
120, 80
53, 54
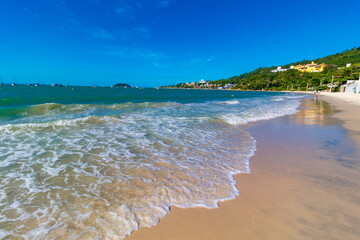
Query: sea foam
104, 172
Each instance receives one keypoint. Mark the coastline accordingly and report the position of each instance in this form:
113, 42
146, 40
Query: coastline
302, 183
348, 104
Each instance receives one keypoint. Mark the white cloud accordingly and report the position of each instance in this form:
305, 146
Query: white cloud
124, 52
120, 11
163, 3
125, 9
199, 61
100, 33
210, 59
159, 65
95, 1
142, 31
35, 15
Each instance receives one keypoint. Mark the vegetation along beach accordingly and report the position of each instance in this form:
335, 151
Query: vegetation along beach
169, 119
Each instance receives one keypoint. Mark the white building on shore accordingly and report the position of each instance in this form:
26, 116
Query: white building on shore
352, 86
229, 86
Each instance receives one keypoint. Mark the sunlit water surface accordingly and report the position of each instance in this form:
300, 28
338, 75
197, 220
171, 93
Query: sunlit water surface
99, 162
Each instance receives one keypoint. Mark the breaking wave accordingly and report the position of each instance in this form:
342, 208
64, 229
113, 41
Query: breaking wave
102, 171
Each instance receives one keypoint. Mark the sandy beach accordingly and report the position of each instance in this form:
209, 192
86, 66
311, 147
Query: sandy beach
179, 120
338, 98
304, 182
349, 112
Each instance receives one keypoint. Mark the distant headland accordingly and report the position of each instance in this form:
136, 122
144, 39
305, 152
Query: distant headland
122, 85
119, 85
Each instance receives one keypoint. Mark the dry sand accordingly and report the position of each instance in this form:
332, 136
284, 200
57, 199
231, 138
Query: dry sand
343, 97
305, 183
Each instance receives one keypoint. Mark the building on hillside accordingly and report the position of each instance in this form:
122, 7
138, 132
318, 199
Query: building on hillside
279, 69
202, 81
311, 68
229, 86
300, 68
351, 86
347, 66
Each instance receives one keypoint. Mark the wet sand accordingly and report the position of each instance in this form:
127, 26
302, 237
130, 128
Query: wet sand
304, 184
349, 113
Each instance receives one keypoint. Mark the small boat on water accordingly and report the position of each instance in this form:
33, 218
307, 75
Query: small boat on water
56, 85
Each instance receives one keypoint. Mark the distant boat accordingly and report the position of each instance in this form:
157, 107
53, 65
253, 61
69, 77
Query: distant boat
157, 88
13, 84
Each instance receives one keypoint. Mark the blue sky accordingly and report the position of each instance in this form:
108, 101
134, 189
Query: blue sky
160, 42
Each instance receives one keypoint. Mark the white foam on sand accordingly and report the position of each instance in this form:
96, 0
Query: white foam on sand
105, 176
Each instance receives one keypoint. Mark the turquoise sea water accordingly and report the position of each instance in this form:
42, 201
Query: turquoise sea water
82, 162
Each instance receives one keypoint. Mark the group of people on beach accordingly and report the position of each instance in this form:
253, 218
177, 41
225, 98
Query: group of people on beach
316, 93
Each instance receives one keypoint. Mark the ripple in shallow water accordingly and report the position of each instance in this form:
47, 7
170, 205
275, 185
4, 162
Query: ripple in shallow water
105, 176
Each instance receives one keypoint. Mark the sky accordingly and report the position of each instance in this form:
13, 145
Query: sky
161, 42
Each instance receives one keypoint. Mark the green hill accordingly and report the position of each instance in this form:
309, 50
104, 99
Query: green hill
339, 59
263, 78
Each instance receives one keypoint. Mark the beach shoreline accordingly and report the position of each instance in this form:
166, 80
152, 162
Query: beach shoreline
300, 186
347, 104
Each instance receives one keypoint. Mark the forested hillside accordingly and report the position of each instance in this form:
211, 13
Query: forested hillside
263, 78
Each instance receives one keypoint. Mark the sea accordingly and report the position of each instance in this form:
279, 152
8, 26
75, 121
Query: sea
99, 163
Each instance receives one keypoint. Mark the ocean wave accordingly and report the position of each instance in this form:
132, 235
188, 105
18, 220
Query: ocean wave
111, 171
297, 96
119, 172
230, 102
52, 111
277, 99
261, 111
